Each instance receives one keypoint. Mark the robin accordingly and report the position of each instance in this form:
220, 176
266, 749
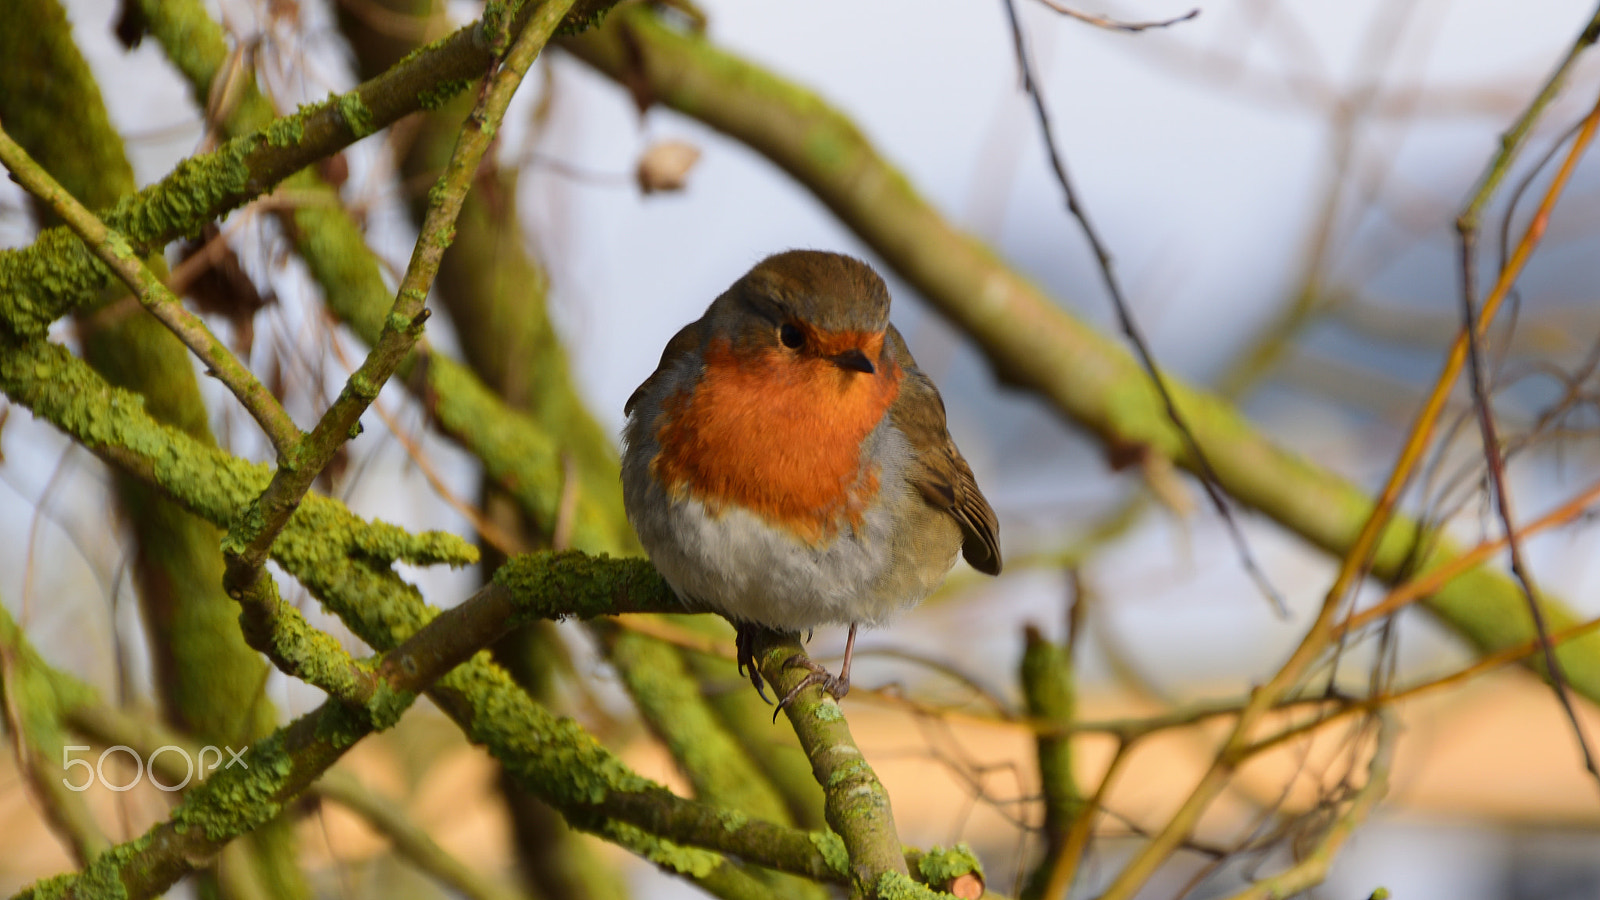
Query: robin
787, 463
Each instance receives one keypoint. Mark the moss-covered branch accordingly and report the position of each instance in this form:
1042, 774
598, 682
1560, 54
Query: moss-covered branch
857, 805
116, 253
57, 274
527, 455
671, 703
1032, 341
715, 764
1047, 685
749, 721
275, 770
343, 562
112, 423
250, 536
209, 682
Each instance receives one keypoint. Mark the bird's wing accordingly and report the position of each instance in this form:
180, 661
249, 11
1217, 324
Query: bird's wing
940, 473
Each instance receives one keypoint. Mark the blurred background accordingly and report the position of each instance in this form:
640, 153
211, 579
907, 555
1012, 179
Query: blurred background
1277, 184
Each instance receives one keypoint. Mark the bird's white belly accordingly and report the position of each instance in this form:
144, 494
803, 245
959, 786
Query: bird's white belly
737, 564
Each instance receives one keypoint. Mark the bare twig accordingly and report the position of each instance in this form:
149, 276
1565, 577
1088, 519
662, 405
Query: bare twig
1467, 226
1313, 867
1427, 582
497, 537
1208, 475
1111, 24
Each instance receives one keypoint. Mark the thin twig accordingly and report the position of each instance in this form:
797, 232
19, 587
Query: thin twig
1430, 581
1393, 698
1494, 459
114, 250
1208, 476
1110, 24
1313, 867
498, 538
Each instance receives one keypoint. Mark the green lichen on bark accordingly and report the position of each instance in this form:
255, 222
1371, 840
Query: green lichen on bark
285, 132
236, 800
828, 712
556, 585
440, 95
833, 851
387, 705
670, 856
941, 866
187, 199
62, 389
57, 274
553, 755
895, 886
356, 114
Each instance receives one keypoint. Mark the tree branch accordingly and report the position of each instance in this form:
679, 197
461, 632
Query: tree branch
114, 250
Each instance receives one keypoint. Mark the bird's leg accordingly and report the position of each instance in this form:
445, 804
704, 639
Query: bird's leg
837, 685
745, 656
844, 670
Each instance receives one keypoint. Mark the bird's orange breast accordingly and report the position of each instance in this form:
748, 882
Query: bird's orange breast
778, 435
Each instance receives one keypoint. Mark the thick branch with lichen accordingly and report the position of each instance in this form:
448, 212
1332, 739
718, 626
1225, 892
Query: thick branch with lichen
856, 805
117, 254
108, 727
1032, 341
210, 683
275, 770
342, 561
525, 454
1047, 685
251, 535
715, 764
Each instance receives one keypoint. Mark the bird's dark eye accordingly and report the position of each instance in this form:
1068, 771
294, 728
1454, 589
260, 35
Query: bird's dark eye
792, 336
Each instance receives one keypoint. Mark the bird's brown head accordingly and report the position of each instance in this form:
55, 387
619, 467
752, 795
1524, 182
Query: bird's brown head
809, 311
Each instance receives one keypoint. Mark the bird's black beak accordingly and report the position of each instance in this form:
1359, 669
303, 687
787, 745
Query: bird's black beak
854, 360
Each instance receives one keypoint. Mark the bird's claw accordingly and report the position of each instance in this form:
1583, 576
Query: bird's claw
836, 685
746, 658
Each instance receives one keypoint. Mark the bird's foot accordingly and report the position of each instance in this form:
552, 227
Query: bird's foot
745, 656
836, 685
